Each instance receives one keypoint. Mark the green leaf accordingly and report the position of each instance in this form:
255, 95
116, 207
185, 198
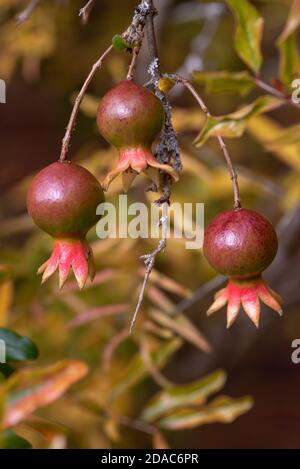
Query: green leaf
223, 410
13, 441
17, 347
137, 370
222, 82
289, 64
234, 124
194, 393
248, 32
119, 43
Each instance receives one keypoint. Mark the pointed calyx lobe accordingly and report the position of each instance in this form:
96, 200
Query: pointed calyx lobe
241, 244
130, 117
62, 200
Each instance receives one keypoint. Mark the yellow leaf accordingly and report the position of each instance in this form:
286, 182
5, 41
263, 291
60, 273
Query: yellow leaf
6, 295
265, 130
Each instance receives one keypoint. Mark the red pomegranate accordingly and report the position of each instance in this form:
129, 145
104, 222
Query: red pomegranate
130, 117
62, 200
241, 244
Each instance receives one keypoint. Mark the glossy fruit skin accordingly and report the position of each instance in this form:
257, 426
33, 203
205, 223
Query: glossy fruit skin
240, 243
63, 198
130, 115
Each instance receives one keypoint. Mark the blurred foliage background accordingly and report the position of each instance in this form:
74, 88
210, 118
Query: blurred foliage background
164, 384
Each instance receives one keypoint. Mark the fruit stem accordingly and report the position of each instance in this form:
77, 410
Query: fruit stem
233, 175
132, 66
66, 140
138, 20
168, 140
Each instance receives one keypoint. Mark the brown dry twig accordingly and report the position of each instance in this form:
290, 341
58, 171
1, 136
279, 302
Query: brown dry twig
26, 13
133, 35
85, 11
67, 137
149, 261
167, 151
273, 91
132, 67
188, 85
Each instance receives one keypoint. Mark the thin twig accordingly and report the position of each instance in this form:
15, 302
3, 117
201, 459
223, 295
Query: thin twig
66, 140
132, 67
149, 261
86, 10
133, 36
233, 175
167, 151
26, 13
136, 424
270, 89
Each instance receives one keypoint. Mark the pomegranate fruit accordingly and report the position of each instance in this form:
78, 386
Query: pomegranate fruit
241, 244
62, 200
130, 117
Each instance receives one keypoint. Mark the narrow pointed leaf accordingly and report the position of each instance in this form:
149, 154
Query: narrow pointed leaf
137, 370
222, 82
234, 124
195, 393
248, 33
183, 327
223, 410
31, 388
13, 441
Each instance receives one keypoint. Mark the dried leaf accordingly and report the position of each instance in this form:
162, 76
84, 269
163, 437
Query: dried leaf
167, 283
293, 21
184, 328
97, 313
32, 388
159, 298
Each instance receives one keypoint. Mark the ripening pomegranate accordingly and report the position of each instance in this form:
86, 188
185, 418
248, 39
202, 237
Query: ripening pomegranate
130, 117
241, 244
62, 201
